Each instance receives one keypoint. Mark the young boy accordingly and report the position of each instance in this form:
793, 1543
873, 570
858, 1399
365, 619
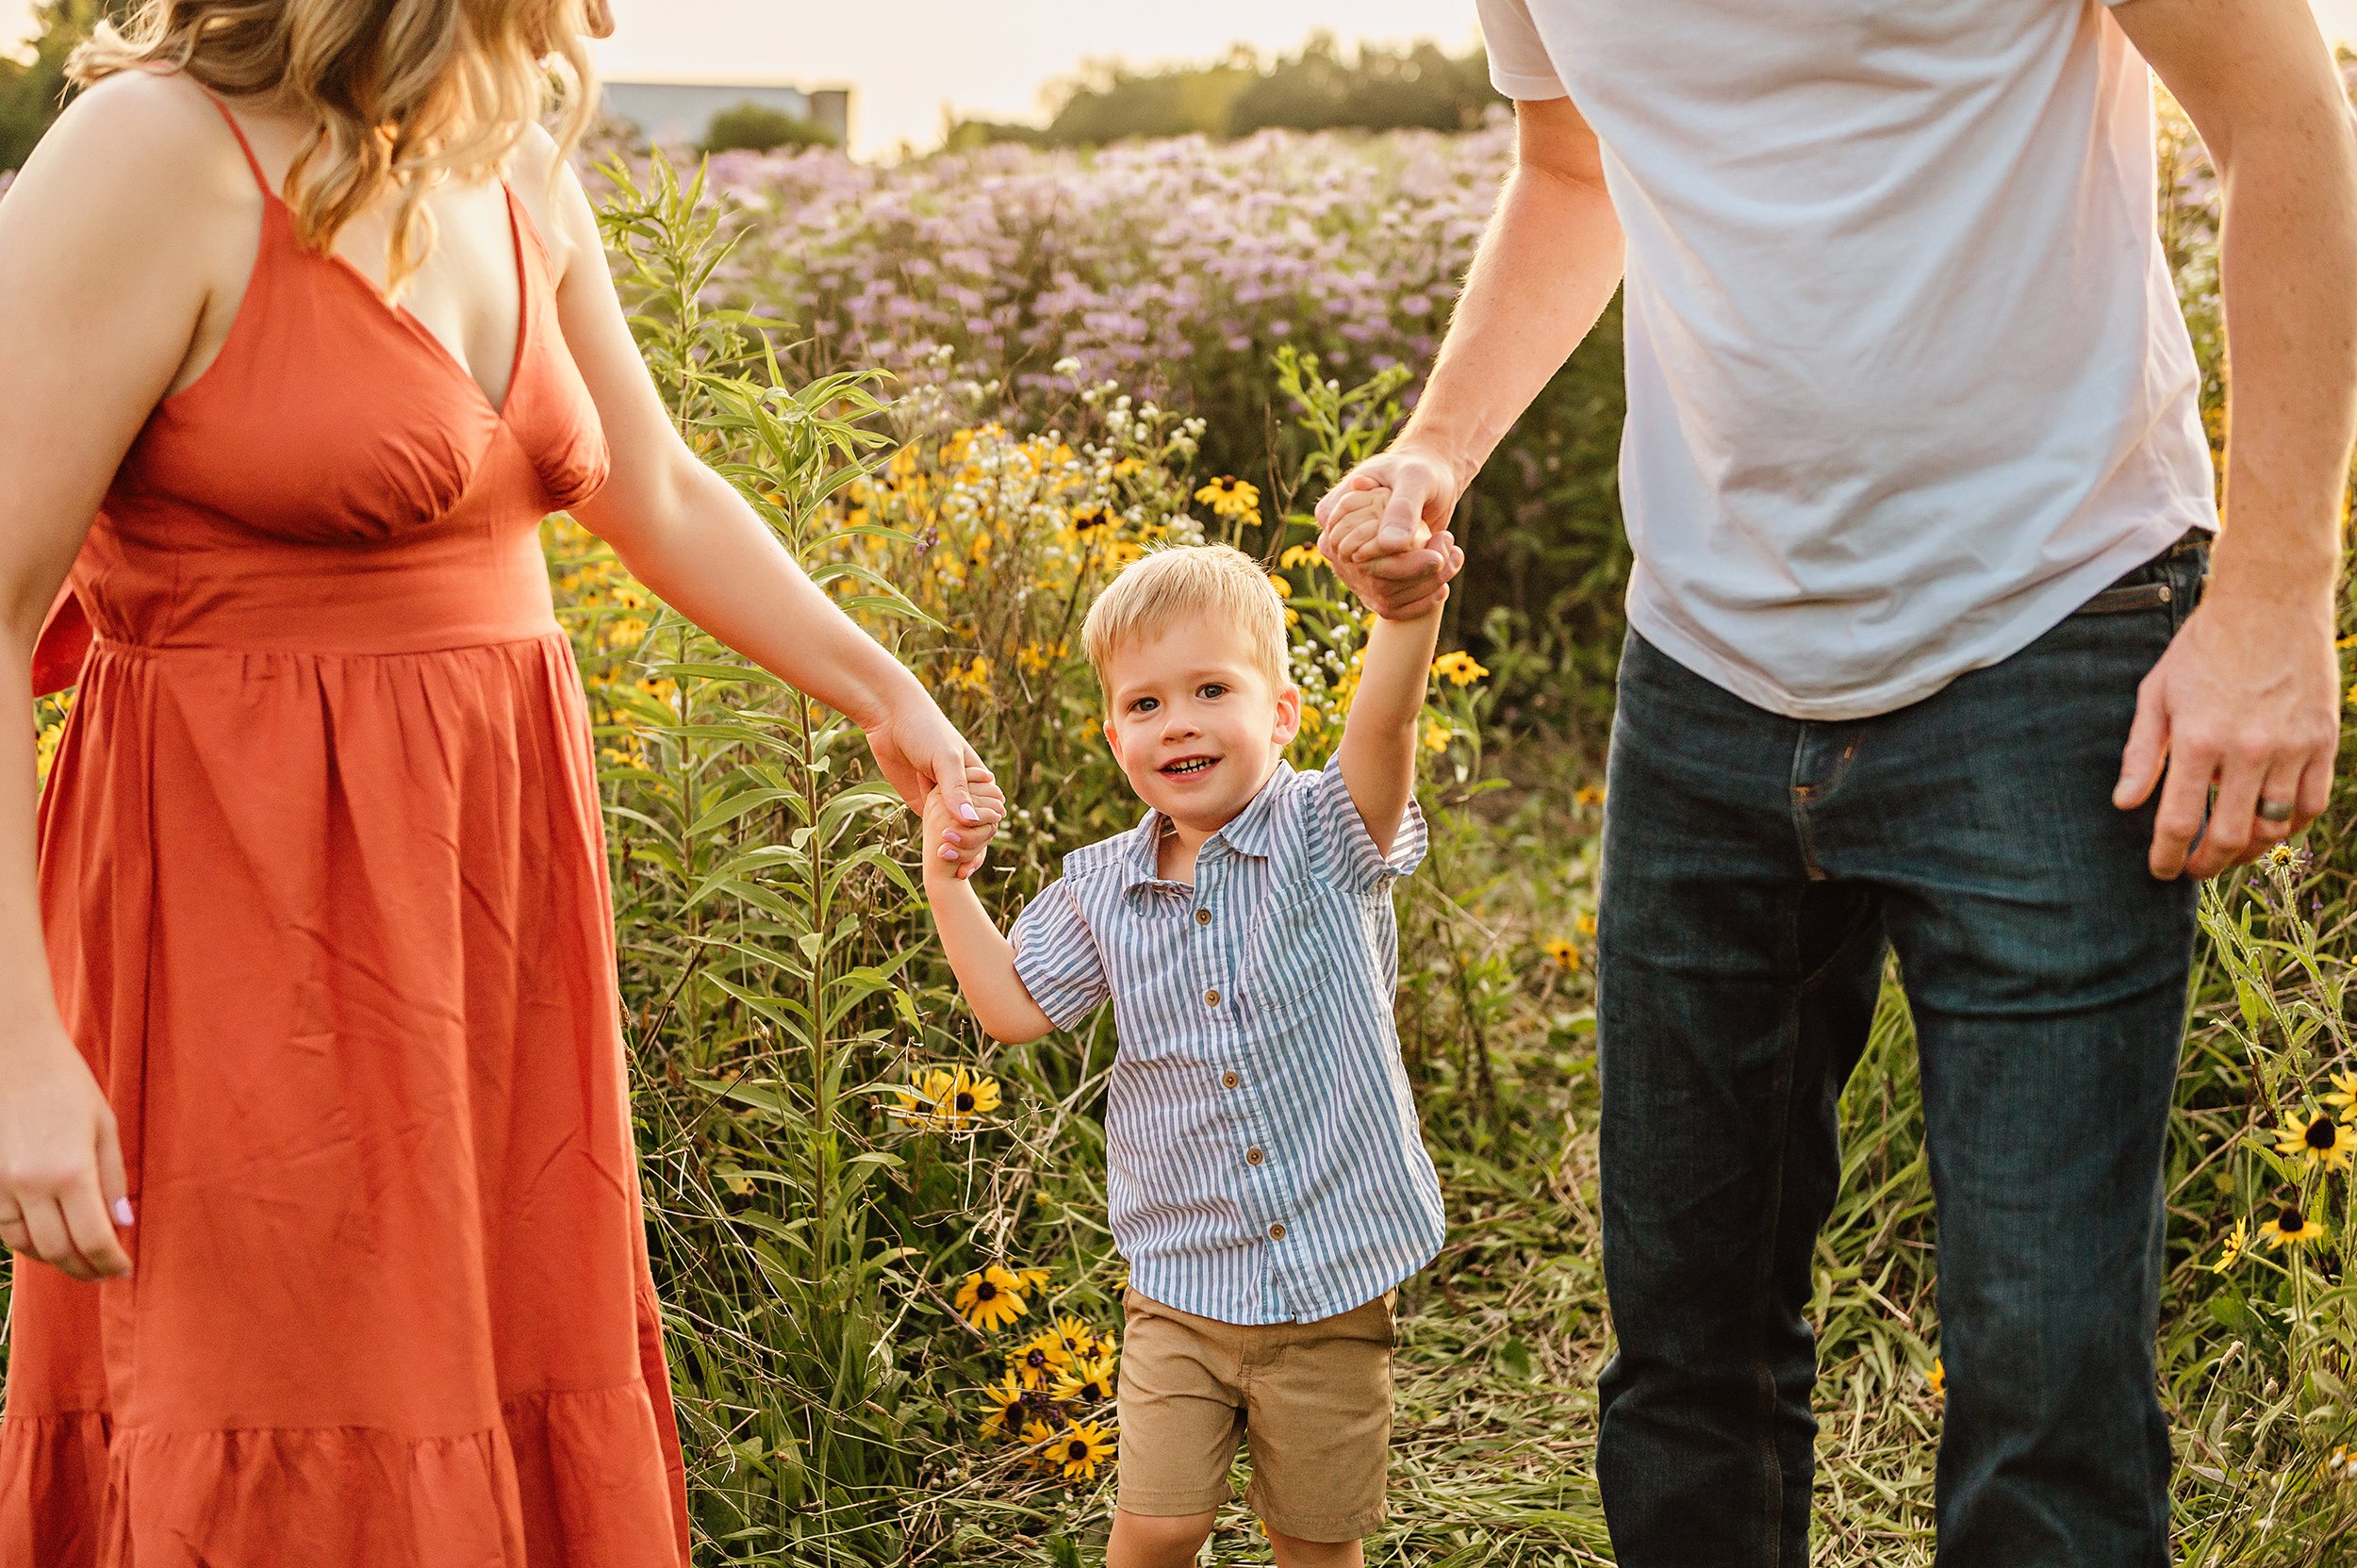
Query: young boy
1268, 1183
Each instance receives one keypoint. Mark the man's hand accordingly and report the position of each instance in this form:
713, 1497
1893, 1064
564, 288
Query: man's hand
1398, 560
2245, 698
2248, 700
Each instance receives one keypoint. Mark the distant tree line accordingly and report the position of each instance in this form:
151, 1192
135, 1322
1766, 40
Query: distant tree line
1374, 87
32, 89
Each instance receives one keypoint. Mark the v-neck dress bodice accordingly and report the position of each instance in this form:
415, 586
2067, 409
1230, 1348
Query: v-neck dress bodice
324, 888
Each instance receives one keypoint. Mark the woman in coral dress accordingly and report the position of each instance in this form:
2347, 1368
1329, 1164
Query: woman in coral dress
318, 1166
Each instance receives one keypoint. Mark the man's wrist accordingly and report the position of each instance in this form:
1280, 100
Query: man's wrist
1450, 451
2300, 583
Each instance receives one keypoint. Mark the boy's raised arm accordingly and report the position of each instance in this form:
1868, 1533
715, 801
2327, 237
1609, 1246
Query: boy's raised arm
979, 955
1378, 749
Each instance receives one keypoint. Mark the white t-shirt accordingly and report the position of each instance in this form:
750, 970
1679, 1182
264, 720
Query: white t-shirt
1907, 381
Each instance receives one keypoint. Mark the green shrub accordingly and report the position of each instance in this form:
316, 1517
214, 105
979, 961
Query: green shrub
758, 128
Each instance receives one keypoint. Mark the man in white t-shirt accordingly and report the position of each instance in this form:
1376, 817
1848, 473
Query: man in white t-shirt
1923, 606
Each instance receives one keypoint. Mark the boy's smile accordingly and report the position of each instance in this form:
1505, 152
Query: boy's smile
1196, 724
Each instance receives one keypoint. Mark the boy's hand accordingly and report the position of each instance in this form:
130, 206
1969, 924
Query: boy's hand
1357, 514
1397, 559
953, 849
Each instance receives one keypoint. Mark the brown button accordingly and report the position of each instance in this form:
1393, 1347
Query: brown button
1202, 916
1211, 998
1276, 1232
1254, 1156
1228, 1081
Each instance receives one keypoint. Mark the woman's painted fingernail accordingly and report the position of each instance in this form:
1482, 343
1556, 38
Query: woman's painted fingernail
947, 854
966, 809
122, 1210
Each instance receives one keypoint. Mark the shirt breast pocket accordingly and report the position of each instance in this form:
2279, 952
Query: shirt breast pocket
1293, 956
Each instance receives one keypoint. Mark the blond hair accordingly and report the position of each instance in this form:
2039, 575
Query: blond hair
400, 95
1194, 582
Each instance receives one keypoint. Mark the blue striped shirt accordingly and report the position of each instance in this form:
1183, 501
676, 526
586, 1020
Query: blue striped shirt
1264, 1160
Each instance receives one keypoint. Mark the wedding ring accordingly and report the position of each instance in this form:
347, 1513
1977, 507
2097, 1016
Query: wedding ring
2275, 811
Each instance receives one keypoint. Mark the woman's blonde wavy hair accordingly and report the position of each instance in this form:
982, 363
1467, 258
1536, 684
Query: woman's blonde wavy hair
398, 93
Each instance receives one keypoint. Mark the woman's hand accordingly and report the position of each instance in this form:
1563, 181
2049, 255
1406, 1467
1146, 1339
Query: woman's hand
61, 1184
920, 751
952, 849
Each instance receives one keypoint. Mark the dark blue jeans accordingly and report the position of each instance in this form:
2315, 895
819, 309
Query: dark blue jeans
1756, 869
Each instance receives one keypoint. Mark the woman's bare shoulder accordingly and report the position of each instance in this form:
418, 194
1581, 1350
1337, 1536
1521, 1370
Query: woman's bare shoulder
144, 152
545, 184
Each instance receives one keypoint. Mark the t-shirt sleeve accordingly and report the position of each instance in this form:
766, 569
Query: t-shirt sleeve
1518, 65
1350, 852
1056, 956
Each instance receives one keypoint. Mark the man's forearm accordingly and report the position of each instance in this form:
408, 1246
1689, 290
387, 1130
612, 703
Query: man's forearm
1544, 272
2288, 275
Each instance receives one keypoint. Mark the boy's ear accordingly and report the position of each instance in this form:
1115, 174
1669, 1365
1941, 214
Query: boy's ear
1112, 738
1288, 716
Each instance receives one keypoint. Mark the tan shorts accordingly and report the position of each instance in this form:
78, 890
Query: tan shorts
1313, 1400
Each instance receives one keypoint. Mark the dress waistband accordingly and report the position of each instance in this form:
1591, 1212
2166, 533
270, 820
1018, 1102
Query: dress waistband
460, 590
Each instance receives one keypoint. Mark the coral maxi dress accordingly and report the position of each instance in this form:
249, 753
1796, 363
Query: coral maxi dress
324, 888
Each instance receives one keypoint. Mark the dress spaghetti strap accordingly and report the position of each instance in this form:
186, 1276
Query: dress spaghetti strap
243, 145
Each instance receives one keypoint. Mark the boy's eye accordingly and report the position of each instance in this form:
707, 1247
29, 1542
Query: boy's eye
1214, 690
1145, 704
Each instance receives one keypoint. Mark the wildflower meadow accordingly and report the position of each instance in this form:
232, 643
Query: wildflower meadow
965, 390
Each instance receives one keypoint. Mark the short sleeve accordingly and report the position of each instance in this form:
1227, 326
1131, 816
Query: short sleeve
1350, 850
1056, 956
1518, 65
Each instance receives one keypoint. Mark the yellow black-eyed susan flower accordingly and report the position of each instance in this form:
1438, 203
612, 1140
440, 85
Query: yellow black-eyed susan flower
2343, 1092
2292, 1228
1284, 589
1090, 518
1080, 1448
1587, 795
1437, 736
991, 1298
1231, 498
2318, 1138
1300, 555
1937, 1379
1077, 1338
1565, 954
949, 1099
1458, 668
1040, 1437
2237, 1240
1041, 1360
1585, 923
1006, 1398
1032, 1280
1088, 1380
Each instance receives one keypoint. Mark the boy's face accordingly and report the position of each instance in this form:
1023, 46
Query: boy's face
1195, 722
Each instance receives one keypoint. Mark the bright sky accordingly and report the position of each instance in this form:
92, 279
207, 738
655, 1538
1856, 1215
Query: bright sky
905, 59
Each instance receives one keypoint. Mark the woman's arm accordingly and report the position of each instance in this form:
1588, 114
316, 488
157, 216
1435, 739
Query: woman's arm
109, 241
1379, 749
690, 537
